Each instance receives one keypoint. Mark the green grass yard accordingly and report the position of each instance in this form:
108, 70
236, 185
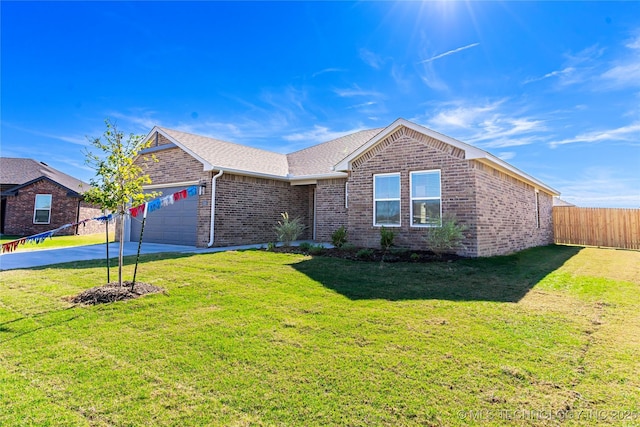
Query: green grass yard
256, 338
60, 241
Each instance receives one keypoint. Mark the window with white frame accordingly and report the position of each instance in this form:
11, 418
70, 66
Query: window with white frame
386, 199
42, 209
426, 206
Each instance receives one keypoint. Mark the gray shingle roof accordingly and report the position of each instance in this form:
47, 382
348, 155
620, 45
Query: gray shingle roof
18, 171
321, 158
316, 160
227, 155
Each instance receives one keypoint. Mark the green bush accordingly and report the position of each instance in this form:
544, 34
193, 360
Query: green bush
271, 246
339, 237
386, 238
365, 253
447, 238
305, 246
316, 249
288, 229
348, 247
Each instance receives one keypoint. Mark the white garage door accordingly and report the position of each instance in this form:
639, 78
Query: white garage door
174, 224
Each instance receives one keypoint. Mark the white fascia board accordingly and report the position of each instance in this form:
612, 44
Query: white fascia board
170, 184
313, 179
505, 167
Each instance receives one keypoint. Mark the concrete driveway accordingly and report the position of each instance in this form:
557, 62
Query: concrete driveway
37, 258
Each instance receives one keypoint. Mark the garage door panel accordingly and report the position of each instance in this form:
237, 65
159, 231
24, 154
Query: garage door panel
173, 224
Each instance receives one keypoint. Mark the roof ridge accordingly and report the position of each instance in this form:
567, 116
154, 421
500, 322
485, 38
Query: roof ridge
221, 140
335, 139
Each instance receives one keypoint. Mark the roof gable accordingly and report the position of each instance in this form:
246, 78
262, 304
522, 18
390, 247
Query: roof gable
215, 154
469, 152
21, 172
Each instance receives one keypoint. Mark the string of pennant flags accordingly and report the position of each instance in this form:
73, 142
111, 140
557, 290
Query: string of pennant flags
143, 209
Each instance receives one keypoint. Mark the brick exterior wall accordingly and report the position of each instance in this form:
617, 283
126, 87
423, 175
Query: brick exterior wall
403, 152
330, 208
507, 213
64, 210
498, 210
175, 165
248, 208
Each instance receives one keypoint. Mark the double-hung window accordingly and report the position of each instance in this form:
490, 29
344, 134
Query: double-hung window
386, 199
42, 209
426, 206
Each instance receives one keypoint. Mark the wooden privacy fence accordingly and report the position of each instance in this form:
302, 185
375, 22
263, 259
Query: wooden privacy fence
614, 228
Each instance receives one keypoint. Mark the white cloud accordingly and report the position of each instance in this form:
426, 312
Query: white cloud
72, 139
506, 155
357, 91
601, 187
625, 71
371, 59
319, 134
327, 70
487, 125
450, 52
629, 133
565, 72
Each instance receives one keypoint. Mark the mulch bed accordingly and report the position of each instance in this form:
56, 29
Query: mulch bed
112, 292
374, 255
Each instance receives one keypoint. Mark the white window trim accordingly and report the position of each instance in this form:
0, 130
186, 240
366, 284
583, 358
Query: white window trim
411, 198
399, 199
36, 209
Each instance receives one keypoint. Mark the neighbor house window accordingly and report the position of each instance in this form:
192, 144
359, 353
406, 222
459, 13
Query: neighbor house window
426, 206
42, 209
386, 199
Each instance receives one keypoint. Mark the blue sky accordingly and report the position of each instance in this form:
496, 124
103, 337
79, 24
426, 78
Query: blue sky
553, 88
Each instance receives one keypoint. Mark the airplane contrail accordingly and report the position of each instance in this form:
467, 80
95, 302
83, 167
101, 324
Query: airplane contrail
451, 52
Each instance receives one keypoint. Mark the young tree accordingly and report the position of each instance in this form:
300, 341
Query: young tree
118, 181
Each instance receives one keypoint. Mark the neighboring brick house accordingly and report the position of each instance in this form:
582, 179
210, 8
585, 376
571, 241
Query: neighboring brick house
36, 198
404, 176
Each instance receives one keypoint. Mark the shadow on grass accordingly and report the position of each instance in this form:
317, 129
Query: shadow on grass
498, 279
102, 263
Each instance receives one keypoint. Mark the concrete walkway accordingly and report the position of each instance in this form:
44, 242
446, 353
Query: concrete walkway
38, 258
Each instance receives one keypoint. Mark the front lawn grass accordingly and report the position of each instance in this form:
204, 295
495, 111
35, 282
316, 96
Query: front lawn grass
60, 241
254, 337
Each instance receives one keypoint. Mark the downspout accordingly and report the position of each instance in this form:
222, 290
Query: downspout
213, 206
78, 216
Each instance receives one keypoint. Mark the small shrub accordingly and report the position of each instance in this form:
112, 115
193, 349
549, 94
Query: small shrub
339, 237
348, 247
316, 249
398, 251
271, 246
305, 246
446, 238
288, 229
386, 238
365, 253
414, 257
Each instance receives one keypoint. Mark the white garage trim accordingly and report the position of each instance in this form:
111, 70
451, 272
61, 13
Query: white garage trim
170, 184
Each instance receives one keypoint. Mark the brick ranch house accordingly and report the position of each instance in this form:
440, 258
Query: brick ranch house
36, 198
404, 176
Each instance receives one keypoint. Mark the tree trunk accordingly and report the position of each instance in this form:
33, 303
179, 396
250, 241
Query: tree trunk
121, 250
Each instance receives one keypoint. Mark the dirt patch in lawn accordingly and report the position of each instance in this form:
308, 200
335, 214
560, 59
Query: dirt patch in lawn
112, 292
